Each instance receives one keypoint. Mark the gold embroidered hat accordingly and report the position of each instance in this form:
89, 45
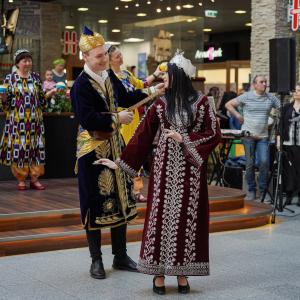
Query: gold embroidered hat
90, 40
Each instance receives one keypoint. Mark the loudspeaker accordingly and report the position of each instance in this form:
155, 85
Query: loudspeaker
233, 177
282, 65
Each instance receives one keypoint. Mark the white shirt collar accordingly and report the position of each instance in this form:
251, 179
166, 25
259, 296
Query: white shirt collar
100, 78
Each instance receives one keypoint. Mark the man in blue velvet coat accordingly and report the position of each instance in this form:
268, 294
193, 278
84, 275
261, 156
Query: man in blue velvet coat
106, 198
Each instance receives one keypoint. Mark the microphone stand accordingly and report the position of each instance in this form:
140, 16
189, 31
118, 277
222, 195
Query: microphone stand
278, 198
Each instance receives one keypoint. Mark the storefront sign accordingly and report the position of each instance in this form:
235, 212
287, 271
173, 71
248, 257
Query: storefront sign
70, 43
294, 14
211, 13
211, 53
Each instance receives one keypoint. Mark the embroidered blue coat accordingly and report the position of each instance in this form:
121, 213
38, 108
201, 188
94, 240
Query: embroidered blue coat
106, 198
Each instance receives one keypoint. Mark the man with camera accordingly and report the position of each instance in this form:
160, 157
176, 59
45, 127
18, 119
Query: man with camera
256, 106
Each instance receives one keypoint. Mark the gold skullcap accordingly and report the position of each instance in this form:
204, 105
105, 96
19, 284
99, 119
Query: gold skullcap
90, 40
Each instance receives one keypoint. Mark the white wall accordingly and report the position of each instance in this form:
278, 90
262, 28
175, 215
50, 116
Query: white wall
130, 52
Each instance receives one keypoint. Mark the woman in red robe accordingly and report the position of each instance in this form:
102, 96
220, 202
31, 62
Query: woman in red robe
175, 237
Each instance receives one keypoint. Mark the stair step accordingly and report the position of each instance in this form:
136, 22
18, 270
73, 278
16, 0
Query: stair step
72, 236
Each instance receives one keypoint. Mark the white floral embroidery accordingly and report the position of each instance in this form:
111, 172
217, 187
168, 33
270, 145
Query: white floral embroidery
213, 127
131, 172
196, 269
174, 192
199, 119
158, 164
191, 226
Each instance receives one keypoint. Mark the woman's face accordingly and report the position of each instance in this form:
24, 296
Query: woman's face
25, 65
116, 58
165, 78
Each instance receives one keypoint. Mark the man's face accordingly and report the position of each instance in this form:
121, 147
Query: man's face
260, 84
97, 59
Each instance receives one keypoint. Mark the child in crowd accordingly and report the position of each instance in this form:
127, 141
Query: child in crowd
49, 83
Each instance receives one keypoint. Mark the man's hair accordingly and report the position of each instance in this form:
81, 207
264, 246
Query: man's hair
256, 76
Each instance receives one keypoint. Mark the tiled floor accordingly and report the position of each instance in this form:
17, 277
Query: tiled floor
262, 263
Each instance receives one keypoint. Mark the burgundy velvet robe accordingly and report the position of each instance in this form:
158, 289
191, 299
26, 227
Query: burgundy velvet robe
175, 238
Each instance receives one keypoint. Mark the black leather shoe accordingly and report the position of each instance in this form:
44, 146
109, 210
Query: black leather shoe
124, 263
97, 270
160, 290
183, 289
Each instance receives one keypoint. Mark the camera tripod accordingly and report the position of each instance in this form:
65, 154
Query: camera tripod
277, 171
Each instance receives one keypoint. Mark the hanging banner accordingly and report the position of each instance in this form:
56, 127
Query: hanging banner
293, 14
70, 43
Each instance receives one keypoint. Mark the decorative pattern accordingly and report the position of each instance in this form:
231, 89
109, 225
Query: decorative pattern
191, 223
22, 142
157, 171
193, 269
106, 182
175, 239
103, 150
172, 207
126, 168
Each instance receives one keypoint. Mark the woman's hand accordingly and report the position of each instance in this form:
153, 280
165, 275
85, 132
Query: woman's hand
106, 162
173, 135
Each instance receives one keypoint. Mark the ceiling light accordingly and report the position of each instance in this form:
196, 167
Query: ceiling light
117, 8
200, 3
188, 6
212, 0
137, 5
102, 21
162, 21
178, 7
158, 10
148, 2
207, 29
168, 8
240, 11
116, 30
191, 20
82, 9
171, 34
141, 14
112, 43
133, 40
248, 24
126, 6
69, 27
125, 0
10, 1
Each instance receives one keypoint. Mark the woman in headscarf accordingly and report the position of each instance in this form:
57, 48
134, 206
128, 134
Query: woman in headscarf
22, 146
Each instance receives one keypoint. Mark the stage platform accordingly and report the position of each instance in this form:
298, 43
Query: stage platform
33, 221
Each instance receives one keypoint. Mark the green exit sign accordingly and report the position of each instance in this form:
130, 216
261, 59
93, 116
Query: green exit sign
211, 13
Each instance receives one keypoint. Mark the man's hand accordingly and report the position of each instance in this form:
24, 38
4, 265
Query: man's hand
160, 89
240, 118
157, 72
125, 116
